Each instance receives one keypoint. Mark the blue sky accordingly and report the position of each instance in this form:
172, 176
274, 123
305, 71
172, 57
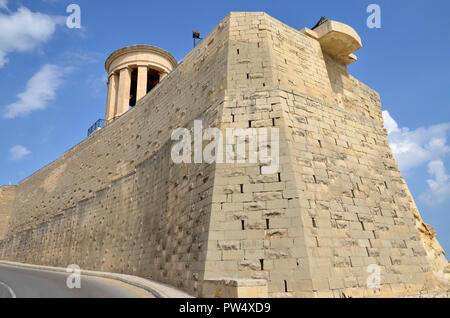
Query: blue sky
52, 78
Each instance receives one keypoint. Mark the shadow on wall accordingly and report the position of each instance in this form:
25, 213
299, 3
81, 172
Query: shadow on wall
337, 73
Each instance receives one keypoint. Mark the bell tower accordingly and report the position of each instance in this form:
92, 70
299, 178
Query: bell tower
132, 72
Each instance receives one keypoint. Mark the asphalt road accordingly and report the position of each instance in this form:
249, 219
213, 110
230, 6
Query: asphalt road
29, 283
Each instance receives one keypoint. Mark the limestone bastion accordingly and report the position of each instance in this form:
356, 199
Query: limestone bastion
117, 202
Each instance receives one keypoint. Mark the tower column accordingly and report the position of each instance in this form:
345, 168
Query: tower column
141, 82
132, 72
123, 96
112, 97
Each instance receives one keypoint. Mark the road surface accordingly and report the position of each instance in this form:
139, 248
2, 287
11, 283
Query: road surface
18, 282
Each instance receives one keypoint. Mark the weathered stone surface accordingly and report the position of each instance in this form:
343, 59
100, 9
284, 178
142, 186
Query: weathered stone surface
116, 202
7, 195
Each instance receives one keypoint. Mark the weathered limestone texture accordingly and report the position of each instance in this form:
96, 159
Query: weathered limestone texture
7, 194
116, 202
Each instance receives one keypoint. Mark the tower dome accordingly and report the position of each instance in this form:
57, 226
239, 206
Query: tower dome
132, 72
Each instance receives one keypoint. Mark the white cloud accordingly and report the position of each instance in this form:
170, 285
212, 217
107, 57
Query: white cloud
23, 31
41, 89
19, 152
82, 57
4, 5
389, 123
439, 187
97, 84
414, 148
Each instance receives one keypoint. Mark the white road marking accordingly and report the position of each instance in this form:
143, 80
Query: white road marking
13, 295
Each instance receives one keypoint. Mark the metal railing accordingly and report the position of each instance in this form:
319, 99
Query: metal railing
98, 124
